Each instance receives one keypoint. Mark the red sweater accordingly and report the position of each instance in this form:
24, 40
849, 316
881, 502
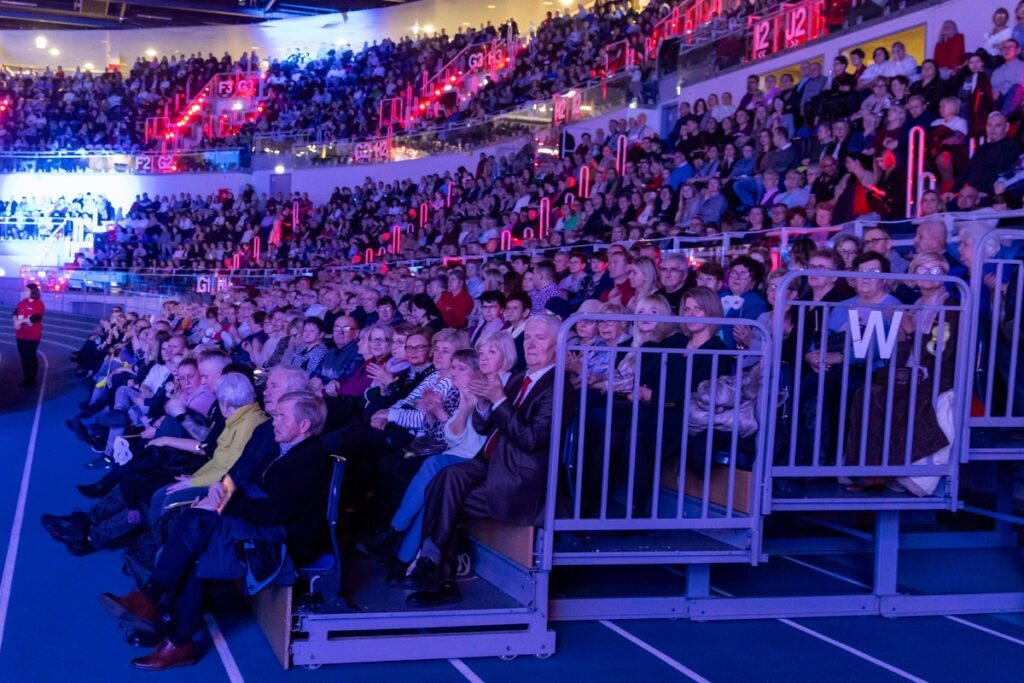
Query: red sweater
455, 308
949, 53
29, 308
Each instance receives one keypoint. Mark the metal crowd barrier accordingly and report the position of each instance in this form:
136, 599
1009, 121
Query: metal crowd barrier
880, 427
997, 281
669, 480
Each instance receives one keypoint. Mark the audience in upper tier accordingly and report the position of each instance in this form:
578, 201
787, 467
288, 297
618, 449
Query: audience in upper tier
336, 95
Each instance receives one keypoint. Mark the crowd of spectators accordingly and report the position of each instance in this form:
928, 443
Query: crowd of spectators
214, 418
54, 110
31, 217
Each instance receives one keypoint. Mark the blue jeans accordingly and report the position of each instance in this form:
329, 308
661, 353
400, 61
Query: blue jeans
409, 517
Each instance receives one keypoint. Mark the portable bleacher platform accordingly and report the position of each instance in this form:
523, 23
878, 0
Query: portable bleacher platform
647, 504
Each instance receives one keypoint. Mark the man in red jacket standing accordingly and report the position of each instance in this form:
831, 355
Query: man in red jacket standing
28, 330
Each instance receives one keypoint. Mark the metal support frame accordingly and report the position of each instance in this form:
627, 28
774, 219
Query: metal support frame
519, 626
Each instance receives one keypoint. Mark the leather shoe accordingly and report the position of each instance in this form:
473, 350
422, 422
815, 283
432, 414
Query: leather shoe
143, 639
398, 576
425, 575
380, 544
167, 655
135, 608
74, 526
446, 594
78, 548
79, 430
97, 489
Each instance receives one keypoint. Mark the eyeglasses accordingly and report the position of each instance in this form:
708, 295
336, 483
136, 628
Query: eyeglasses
929, 270
679, 271
876, 240
848, 252
874, 269
417, 347
739, 274
379, 340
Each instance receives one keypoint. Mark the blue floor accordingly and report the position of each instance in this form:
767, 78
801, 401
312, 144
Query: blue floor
55, 629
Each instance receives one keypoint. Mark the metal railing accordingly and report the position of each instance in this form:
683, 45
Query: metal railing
139, 163
871, 391
652, 418
997, 356
297, 150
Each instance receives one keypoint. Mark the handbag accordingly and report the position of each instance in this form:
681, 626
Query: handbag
424, 446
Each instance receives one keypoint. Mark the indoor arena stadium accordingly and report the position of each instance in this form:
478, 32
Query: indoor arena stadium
537, 341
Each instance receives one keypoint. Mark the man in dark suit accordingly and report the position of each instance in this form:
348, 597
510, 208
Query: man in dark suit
507, 480
290, 495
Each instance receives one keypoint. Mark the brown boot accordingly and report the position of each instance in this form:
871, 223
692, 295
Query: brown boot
135, 608
167, 655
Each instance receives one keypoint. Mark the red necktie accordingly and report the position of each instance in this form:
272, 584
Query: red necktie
493, 438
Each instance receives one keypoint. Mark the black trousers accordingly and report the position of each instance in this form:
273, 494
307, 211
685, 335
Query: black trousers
458, 492
29, 361
175, 571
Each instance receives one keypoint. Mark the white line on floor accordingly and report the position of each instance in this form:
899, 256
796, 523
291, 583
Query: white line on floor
463, 669
964, 622
19, 511
826, 572
689, 673
842, 646
853, 651
983, 629
223, 651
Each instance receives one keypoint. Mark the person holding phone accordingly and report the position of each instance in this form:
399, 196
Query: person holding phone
28, 331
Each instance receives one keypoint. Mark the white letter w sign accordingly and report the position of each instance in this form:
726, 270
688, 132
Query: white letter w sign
874, 328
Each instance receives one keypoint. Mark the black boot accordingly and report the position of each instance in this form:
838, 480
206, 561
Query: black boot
97, 489
71, 527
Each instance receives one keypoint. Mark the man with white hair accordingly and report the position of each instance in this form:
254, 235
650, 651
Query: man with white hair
290, 505
507, 479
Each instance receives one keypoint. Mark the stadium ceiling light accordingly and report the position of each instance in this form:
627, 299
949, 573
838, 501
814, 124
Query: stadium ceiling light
54, 51
88, 66
428, 28
279, 169
151, 53
41, 42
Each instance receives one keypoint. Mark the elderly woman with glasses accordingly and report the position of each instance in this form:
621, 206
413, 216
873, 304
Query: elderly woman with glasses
742, 299
827, 354
925, 356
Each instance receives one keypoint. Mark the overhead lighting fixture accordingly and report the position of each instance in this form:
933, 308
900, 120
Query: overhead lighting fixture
41, 42
151, 53
88, 66
54, 52
279, 169
428, 28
